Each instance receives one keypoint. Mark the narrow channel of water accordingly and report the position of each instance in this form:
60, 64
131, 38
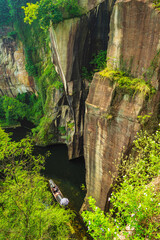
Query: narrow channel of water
69, 175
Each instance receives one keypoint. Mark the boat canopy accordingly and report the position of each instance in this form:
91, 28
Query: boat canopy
64, 201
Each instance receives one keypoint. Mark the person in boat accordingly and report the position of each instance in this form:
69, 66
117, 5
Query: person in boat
55, 189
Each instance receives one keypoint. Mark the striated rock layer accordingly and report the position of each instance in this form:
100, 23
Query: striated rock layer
135, 35
111, 117
110, 124
14, 78
73, 44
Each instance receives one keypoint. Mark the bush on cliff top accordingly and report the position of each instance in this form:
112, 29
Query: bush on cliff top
47, 11
135, 199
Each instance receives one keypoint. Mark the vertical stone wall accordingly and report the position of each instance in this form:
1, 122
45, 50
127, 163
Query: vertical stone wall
14, 78
111, 117
73, 43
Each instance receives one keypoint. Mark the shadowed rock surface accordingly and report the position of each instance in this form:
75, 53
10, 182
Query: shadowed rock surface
73, 44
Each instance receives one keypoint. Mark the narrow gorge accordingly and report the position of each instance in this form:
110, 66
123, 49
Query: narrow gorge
96, 118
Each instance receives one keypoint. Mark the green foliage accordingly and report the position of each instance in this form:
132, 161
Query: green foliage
2, 112
99, 61
97, 64
18, 154
30, 66
4, 13
62, 130
26, 211
58, 84
86, 74
48, 79
156, 4
67, 131
130, 84
16, 13
47, 11
43, 132
12, 34
13, 109
31, 11
100, 226
135, 199
143, 119
83, 187
23, 106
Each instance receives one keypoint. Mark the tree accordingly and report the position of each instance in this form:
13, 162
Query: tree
26, 209
47, 11
25, 105
14, 109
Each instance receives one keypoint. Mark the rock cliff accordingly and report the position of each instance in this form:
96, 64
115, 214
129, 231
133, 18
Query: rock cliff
73, 44
14, 78
110, 126
111, 116
134, 36
108, 119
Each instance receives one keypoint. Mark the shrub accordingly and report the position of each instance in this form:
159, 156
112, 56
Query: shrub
99, 61
25, 105
47, 11
156, 4
97, 64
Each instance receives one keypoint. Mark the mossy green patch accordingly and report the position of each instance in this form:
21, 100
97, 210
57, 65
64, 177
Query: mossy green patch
130, 84
156, 4
42, 134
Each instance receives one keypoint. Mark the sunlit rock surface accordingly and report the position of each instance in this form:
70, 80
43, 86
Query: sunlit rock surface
89, 4
110, 124
134, 36
14, 78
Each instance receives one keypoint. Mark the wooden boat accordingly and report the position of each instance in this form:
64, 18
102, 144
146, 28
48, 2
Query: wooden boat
58, 194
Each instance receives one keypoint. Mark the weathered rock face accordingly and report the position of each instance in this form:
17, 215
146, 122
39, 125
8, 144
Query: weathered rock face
89, 4
73, 43
111, 117
14, 78
110, 124
135, 35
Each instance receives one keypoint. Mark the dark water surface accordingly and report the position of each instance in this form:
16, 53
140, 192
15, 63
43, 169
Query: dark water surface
69, 175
